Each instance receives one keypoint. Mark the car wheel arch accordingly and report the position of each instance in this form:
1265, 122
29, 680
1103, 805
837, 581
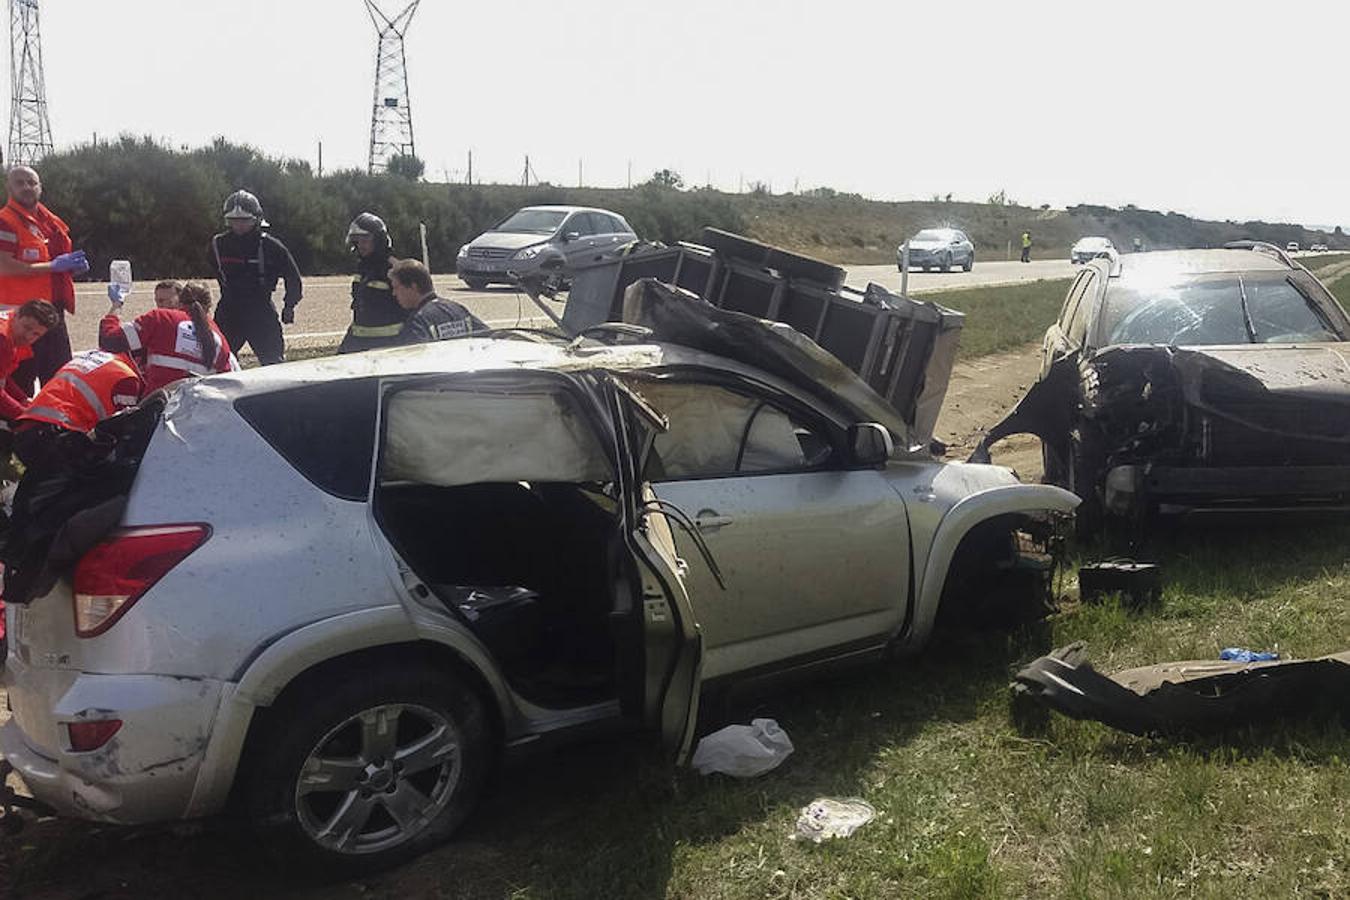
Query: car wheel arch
961, 520
287, 664
421, 653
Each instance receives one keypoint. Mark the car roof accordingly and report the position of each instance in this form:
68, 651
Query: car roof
1184, 263
568, 209
468, 355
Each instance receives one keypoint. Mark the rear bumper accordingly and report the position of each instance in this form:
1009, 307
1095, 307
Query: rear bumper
145, 773
1131, 489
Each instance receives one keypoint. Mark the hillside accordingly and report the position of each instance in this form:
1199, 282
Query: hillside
138, 199
851, 230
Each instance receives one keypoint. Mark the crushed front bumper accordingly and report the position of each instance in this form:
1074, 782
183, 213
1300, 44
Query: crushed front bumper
145, 773
1131, 489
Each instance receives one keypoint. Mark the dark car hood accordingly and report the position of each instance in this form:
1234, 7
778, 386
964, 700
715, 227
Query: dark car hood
1314, 371
1289, 391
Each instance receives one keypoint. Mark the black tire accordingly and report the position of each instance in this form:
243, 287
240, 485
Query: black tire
969, 263
475, 284
344, 721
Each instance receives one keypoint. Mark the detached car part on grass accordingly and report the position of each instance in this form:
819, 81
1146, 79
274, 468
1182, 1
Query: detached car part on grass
451, 552
1141, 426
1180, 698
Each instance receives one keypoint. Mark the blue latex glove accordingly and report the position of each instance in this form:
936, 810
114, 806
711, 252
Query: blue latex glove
73, 263
1238, 654
117, 293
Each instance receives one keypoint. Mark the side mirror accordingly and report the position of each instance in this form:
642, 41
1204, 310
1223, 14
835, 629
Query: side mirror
870, 444
570, 236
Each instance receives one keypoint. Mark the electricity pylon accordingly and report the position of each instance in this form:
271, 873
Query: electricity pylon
391, 129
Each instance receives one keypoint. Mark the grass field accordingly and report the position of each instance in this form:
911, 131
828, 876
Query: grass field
1003, 317
968, 806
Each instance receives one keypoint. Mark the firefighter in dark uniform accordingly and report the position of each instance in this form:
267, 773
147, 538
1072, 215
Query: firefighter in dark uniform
248, 263
377, 318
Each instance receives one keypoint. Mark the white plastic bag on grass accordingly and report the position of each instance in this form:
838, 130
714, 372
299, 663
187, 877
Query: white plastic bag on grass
743, 750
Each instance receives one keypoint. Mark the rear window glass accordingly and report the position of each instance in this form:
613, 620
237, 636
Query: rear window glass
1220, 309
327, 431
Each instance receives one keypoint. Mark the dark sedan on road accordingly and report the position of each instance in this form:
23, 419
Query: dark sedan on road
1195, 380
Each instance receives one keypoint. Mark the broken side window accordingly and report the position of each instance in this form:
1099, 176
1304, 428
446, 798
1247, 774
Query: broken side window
472, 434
715, 431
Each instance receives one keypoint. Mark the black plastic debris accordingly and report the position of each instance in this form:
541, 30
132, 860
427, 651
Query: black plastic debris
1190, 697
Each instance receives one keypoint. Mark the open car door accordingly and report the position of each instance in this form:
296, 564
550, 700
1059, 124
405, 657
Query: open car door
660, 644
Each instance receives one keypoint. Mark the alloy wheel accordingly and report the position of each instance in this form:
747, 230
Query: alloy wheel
379, 778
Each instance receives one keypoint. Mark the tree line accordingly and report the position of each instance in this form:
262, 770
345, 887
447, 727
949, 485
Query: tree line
136, 199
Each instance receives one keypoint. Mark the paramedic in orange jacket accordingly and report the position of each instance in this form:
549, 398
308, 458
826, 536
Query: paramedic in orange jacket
37, 262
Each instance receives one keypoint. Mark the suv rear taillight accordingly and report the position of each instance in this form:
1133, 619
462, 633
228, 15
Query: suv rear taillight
119, 569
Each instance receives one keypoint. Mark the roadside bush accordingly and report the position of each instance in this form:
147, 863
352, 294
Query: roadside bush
137, 199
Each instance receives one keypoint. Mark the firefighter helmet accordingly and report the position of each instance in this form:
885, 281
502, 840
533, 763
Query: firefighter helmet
368, 224
243, 205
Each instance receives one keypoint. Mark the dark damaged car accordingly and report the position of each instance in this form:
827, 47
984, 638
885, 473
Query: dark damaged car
1197, 380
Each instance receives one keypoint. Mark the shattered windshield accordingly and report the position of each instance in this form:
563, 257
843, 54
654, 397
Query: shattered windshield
533, 221
932, 234
1221, 309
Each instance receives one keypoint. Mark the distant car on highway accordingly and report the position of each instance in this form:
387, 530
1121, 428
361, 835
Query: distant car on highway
939, 248
541, 238
1318, 248
1090, 248
1292, 246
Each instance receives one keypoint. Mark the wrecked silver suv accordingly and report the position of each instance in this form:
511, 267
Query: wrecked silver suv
1195, 380
445, 553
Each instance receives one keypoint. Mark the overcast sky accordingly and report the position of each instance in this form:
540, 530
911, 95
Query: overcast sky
1220, 110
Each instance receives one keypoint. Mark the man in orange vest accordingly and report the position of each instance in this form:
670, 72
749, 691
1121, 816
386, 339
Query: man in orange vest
54, 431
37, 262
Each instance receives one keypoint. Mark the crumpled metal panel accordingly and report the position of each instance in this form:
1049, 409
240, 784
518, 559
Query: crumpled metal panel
1197, 696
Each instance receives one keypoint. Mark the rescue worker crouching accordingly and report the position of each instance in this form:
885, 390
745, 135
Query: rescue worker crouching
61, 453
377, 318
19, 330
54, 431
432, 318
248, 263
174, 340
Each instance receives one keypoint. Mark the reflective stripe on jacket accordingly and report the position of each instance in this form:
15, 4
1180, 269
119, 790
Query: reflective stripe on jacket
375, 312
89, 388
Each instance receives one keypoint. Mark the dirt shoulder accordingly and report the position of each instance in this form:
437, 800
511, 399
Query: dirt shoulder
981, 392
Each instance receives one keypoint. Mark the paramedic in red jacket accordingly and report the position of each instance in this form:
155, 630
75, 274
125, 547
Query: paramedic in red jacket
167, 341
19, 329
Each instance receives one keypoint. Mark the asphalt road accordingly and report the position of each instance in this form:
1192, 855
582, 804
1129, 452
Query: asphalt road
325, 312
